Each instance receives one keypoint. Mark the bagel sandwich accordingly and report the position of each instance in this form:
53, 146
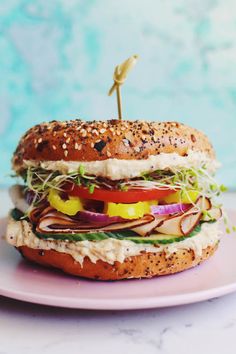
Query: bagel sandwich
115, 199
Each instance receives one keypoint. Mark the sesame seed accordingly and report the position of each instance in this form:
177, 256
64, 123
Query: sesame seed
92, 145
94, 131
83, 133
65, 135
118, 132
78, 147
155, 139
40, 140
66, 153
54, 133
64, 146
54, 147
68, 140
108, 154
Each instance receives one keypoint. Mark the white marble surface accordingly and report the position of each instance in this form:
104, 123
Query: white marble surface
207, 327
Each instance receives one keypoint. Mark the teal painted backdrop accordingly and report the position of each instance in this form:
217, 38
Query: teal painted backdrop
57, 60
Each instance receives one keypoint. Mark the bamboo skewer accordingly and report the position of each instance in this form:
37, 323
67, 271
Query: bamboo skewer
119, 78
119, 103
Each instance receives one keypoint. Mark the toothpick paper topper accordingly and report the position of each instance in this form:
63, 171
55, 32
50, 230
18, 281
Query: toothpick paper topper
119, 78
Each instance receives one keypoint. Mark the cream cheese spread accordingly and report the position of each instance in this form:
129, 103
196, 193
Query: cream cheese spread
119, 169
19, 233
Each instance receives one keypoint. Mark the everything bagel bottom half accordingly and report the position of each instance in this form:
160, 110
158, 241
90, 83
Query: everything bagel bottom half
145, 265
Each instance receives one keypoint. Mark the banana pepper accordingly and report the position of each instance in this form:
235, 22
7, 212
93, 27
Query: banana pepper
68, 207
129, 211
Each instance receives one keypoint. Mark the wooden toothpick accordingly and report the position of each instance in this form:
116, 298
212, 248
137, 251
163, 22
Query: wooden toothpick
119, 78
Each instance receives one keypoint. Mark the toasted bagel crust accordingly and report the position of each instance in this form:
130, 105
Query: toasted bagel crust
146, 265
78, 140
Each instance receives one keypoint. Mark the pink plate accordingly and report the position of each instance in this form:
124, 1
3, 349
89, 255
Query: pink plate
23, 281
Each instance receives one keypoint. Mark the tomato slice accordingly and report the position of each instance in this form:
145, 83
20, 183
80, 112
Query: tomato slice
130, 196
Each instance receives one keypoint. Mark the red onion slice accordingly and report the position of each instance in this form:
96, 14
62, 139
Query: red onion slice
170, 209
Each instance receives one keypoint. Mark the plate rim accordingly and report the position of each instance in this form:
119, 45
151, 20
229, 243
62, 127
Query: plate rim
120, 303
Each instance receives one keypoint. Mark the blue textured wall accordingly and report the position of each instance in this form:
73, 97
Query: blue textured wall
57, 60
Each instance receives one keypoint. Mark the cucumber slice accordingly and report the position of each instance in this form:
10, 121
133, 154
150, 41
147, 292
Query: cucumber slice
127, 235
73, 237
163, 239
90, 236
157, 239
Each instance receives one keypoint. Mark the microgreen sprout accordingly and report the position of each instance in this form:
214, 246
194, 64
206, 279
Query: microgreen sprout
123, 188
40, 181
223, 188
81, 170
91, 188
185, 179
